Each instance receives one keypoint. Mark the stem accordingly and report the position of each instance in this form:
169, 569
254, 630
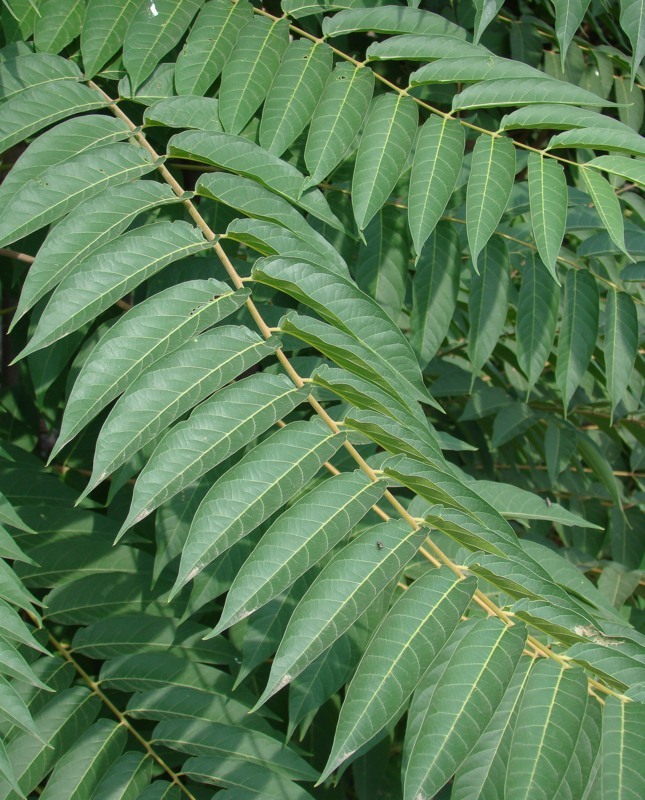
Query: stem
298, 381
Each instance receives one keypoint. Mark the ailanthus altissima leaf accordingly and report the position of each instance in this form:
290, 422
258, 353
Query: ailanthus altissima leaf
248, 74
390, 19
620, 343
548, 198
568, 17
102, 34
632, 21
607, 205
63, 187
297, 540
347, 585
328, 295
546, 729
441, 732
578, 332
488, 302
383, 150
153, 30
95, 285
85, 230
294, 94
537, 316
58, 23
144, 334
434, 291
36, 108
338, 116
216, 430
209, 45
245, 158
403, 646
23, 72
489, 186
236, 505
176, 383
524, 91
435, 169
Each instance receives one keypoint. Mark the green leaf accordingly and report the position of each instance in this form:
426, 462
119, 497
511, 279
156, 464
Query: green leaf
422, 48
568, 17
395, 437
78, 772
382, 263
235, 506
537, 317
248, 74
440, 736
382, 153
629, 168
513, 502
360, 393
524, 91
489, 186
390, 19
488, 302
551, 620
13, 709
522, 579
40, 106
58, 145
608, 207
481, 774
216, 430
238, 155
294, 94
434, 291
243, 779
95, 284
347, 585
623, 141
437, 484
260, 203
175, 384
620, 343
474, 68
435, 169
150, 330
209, 45
201, 113
58, 23
548, 200
486, 11
600, 465
232, 743
340, 303
618, 662
95, 223
556, 117
297, 540
125, 779
408, 639
559, 446
343, 105
546, 730
65, 717
152, 32
35, 69
63, 187
632, 21
103, 31
578, 332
